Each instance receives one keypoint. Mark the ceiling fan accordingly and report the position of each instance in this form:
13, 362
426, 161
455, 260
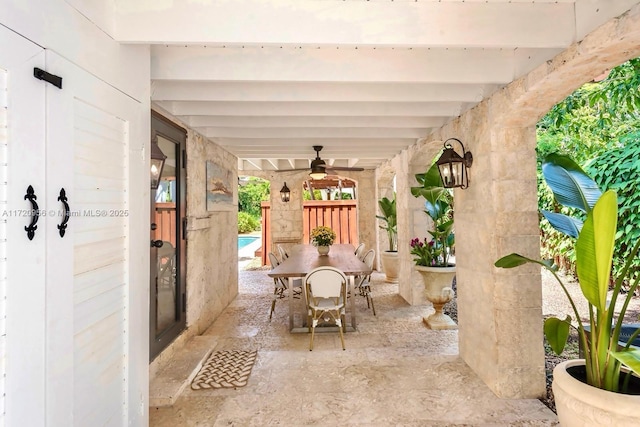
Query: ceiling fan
319, 168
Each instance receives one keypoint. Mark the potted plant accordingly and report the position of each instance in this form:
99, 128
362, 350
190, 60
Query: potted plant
323, 237
590, 391
389, 257
432, 253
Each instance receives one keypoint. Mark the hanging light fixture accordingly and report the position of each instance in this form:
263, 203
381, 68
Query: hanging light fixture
317, 173
285, 193
453, 167
157, 163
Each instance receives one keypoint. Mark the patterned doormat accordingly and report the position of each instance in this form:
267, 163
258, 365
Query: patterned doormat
225, 369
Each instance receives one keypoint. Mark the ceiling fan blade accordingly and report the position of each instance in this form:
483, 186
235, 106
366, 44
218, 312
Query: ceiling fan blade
341, 168
291, 170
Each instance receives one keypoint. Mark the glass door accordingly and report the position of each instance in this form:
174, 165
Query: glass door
168, 244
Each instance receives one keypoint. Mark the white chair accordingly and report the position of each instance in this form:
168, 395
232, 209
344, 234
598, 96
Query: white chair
326, 291
363, 283
283, 253
281, 284
360, 251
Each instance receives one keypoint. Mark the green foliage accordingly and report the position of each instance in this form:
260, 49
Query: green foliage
439, 207
251, 195
345, 196
619, 169
588, 123
306, 195
389, 216
247, 222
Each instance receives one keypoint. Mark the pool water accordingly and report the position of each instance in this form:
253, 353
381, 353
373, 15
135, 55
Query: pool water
245, 240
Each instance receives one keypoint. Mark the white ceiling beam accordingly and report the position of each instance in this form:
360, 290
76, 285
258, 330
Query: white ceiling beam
302, 147
270, 64
312, 132
355, 23
176, 90
199, 108
254, 163
352, 162
591, 14
271, 163
310, 121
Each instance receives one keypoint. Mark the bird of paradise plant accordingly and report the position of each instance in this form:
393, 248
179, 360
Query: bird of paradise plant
594, 247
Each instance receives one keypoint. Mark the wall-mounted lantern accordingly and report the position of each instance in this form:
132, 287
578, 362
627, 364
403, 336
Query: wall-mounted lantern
285, 193
453, 167
157, 163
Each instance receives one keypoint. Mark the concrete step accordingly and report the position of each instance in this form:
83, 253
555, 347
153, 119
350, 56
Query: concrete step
178, 372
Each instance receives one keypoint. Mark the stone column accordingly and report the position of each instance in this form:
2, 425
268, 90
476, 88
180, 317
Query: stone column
499, 311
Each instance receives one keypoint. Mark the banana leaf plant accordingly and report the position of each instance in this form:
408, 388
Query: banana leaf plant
604, 355
439, 207
390, 218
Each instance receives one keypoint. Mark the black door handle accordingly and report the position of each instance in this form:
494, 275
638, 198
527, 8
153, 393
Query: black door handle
157, 243
35, 213
62, 227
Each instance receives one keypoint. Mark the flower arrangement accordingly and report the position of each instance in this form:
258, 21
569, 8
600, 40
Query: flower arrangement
424, 251
322, 236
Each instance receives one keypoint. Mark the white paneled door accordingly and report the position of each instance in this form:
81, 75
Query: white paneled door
22, 261
65, 336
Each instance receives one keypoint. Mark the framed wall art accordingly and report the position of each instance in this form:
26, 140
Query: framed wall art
220, 187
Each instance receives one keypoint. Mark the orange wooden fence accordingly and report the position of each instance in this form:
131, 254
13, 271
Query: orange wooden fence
165, 220
340, 215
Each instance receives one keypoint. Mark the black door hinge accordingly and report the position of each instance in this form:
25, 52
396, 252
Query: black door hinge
47, 77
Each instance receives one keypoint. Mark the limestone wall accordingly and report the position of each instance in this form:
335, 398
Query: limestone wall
499, 311
212, 248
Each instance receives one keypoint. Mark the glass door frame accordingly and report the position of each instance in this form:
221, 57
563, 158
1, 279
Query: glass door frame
159, 341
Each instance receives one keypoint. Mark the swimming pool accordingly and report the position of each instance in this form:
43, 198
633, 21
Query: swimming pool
245, 240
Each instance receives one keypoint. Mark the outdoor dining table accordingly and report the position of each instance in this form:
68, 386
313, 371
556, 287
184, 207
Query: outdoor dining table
304, 258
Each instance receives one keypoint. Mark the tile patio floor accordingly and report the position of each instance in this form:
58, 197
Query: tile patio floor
394, 372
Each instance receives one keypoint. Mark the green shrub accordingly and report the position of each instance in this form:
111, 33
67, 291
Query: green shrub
618, 169
247, 223
251, 195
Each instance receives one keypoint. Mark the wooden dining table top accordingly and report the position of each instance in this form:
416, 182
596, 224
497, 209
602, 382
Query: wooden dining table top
304, 258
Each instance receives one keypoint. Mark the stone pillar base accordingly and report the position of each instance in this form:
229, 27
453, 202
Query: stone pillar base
439, 321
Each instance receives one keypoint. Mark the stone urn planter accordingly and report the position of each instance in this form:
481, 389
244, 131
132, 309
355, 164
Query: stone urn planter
579, 404
438, 290
390, 266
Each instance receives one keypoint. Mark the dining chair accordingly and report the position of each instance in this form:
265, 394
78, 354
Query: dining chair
281, 285
359, 252
283, 253
166, 267
363, 283
326, 291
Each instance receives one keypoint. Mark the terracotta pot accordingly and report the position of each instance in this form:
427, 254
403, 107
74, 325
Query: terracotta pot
579, 404
390, 266
437, 285
324, 250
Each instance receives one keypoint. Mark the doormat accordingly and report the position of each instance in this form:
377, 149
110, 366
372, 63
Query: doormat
225, 369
